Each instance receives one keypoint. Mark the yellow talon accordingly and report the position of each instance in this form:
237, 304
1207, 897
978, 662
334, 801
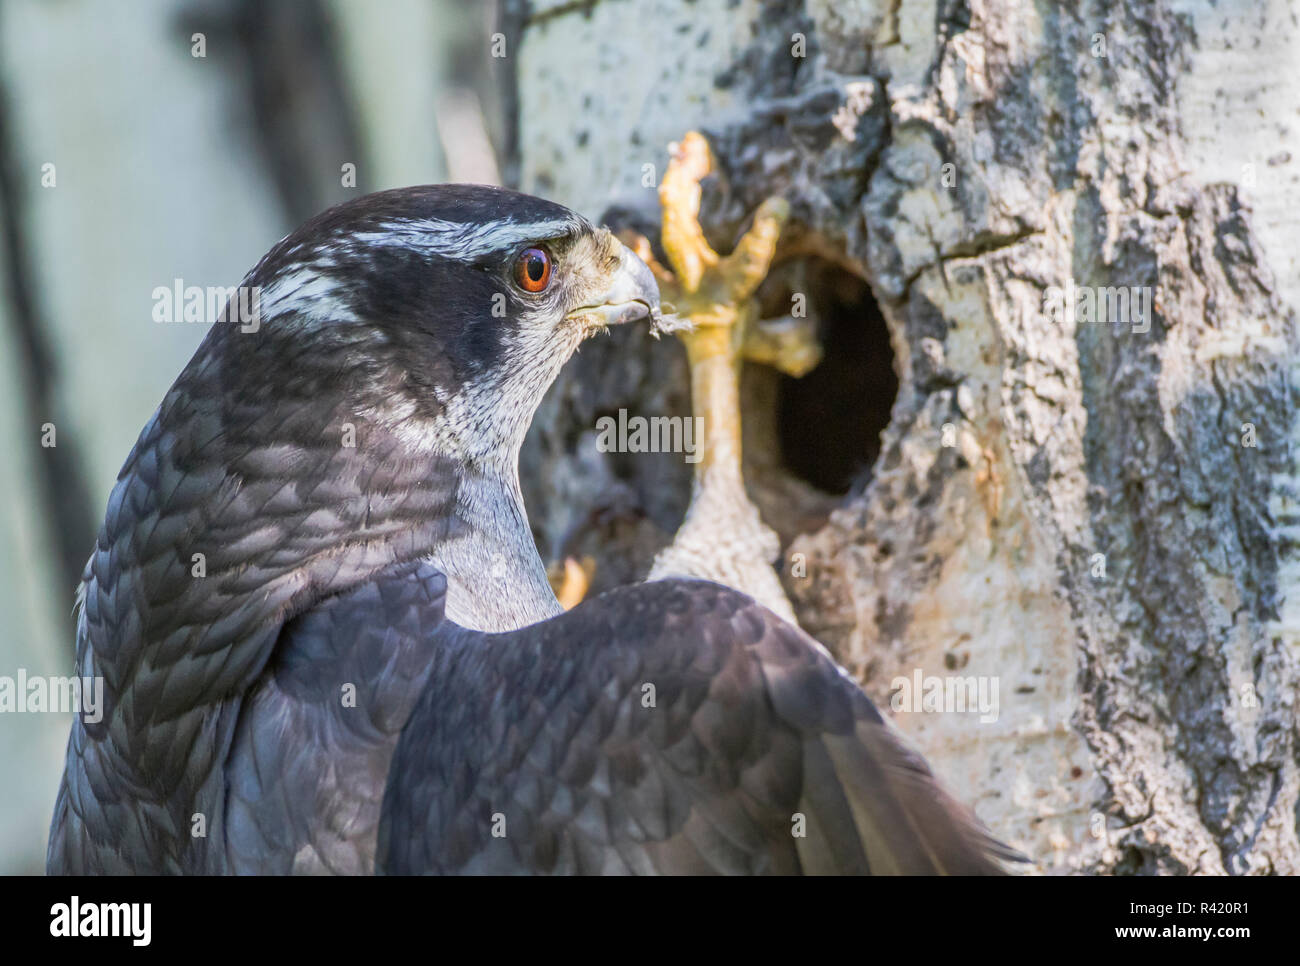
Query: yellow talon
571, 580
684, 243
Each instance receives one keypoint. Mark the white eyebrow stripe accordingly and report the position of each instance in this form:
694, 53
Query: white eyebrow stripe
306, 288
462, 240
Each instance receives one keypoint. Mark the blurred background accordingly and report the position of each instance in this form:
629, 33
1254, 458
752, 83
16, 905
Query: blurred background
146, 142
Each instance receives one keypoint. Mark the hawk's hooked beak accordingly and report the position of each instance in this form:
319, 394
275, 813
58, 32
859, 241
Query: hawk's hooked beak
633, 294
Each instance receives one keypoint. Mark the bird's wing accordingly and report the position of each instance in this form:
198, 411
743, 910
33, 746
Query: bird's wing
305, 773
672, 727
212, 541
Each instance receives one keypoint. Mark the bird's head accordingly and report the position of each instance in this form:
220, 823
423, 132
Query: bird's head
441, 312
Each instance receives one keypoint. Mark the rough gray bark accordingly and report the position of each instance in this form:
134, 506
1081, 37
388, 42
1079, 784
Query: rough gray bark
1073, 509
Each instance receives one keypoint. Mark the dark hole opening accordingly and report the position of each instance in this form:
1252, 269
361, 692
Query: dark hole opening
829, 421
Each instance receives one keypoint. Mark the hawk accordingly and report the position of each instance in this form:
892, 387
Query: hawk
328, 643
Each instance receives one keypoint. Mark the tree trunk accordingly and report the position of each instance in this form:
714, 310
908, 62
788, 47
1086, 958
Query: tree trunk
1063, 236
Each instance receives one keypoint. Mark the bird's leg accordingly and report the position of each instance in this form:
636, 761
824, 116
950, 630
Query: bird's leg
723, 537
717, 294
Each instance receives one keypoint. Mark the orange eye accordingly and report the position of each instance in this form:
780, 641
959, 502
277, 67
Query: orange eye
533, 269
